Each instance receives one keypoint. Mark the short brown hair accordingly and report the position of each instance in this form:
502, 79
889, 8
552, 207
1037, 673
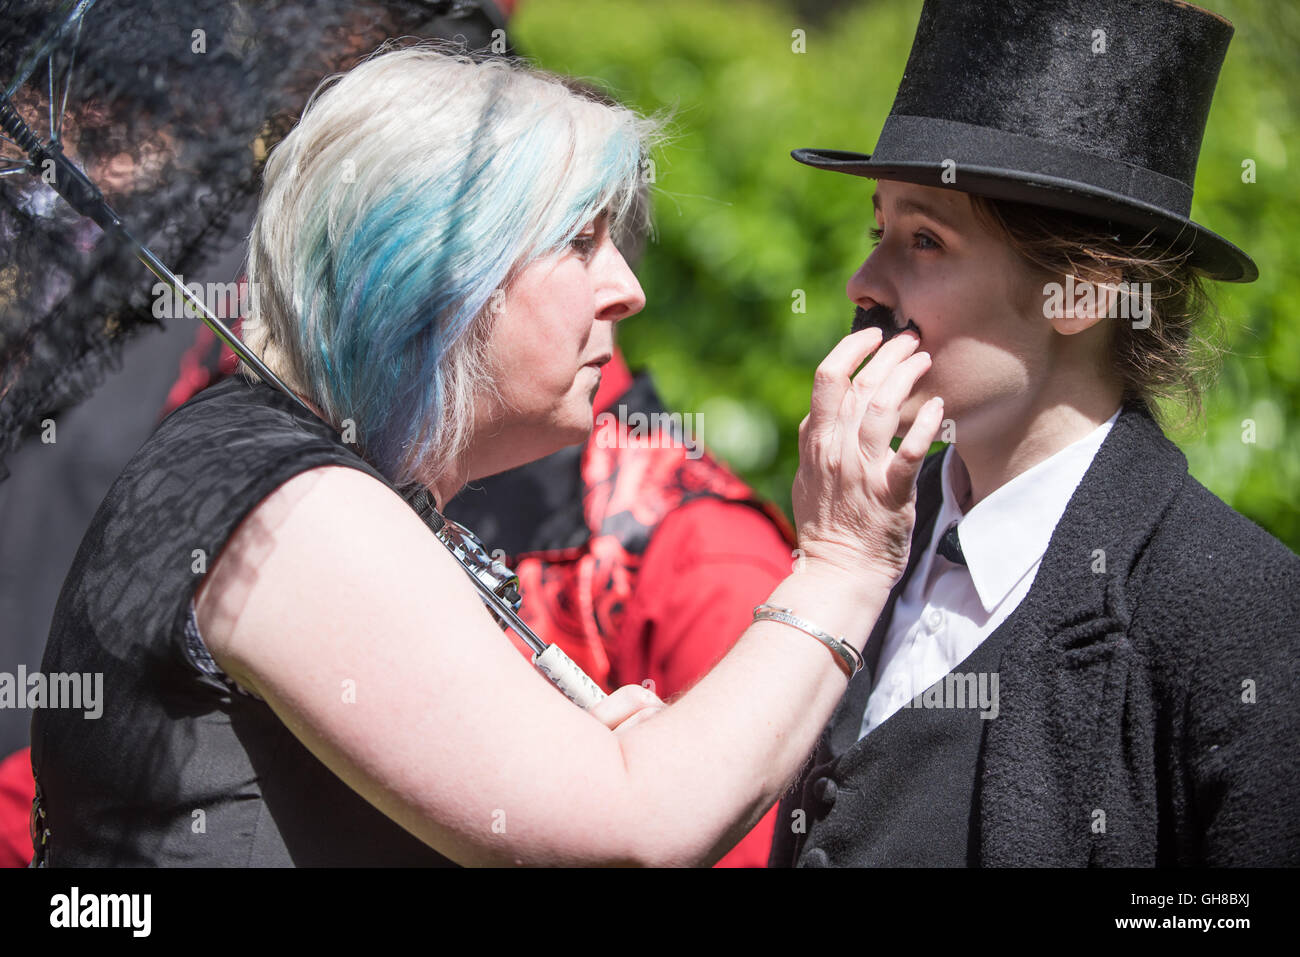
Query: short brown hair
1163, 362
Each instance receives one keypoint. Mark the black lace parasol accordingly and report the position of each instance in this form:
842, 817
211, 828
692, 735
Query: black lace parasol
169, 107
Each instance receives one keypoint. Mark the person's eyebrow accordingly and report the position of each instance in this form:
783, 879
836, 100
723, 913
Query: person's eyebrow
905, 205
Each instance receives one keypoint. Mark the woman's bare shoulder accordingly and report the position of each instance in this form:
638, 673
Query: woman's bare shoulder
331, 526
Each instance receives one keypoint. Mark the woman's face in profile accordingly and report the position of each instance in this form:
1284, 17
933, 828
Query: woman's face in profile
554, 333
978, 308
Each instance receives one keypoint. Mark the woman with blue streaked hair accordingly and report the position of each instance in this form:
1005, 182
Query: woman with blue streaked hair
296, 672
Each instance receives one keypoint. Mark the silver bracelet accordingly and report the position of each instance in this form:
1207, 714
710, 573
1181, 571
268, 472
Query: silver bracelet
846, 654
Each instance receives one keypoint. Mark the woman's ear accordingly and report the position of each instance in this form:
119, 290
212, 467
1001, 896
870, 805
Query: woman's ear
1074, 304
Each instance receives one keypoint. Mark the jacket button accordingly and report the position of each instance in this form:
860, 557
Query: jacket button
825, 790
815, 857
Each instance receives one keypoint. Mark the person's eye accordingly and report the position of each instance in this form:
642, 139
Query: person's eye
920, 240
584, 245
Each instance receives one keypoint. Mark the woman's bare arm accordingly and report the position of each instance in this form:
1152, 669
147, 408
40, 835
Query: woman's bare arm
335, 604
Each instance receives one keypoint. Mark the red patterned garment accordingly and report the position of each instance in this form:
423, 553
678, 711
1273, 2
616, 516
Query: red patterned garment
646, 501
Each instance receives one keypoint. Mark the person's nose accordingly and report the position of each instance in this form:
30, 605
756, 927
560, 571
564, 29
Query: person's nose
867, 287
620, 294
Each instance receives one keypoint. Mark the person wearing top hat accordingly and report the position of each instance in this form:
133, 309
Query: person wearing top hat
1090, 660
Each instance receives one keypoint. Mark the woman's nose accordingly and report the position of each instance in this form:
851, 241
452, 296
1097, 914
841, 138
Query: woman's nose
856, 289
621, 294
865, 288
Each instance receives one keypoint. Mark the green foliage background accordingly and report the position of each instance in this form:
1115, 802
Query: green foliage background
741, 226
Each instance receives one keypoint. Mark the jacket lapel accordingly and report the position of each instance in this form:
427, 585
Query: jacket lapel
1051, 782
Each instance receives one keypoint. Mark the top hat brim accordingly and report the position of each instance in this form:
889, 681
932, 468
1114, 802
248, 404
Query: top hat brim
1209, 252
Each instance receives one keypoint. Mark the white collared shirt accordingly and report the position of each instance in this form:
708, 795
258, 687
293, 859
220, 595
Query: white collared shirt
947, 610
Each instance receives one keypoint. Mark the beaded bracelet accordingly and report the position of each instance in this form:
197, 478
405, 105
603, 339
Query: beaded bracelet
846, 655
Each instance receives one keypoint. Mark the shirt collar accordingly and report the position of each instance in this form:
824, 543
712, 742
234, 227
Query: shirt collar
1006, 534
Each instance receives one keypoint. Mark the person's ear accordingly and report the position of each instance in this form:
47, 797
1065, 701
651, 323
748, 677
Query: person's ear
1075, 304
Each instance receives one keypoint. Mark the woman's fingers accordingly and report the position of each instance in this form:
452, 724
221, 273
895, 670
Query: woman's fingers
852, 494
880, 414
832, 379
637, 718
891, 354
625, 704
906, 464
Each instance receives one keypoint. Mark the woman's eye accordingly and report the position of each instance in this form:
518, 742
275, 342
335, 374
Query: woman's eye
584, 245
922, 241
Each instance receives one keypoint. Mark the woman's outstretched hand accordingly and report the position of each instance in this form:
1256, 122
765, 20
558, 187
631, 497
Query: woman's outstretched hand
854, 497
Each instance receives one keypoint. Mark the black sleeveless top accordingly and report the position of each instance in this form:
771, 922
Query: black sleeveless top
183, 767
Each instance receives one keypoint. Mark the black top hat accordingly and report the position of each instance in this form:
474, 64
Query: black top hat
1091, 106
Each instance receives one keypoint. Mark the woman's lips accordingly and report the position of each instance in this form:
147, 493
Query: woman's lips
884, 319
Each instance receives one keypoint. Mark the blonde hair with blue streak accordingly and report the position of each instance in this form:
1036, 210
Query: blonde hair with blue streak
413, 188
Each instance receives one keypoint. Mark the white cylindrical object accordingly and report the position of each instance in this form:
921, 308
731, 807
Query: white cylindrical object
568, 677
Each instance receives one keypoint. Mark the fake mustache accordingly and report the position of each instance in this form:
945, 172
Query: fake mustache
882, 318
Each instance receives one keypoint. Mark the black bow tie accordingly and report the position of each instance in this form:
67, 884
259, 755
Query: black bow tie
950, 545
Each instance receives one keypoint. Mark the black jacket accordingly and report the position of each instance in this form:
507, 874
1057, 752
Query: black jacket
1149, 696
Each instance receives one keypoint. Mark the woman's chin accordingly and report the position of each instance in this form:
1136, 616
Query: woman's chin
581, 433
576, 431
